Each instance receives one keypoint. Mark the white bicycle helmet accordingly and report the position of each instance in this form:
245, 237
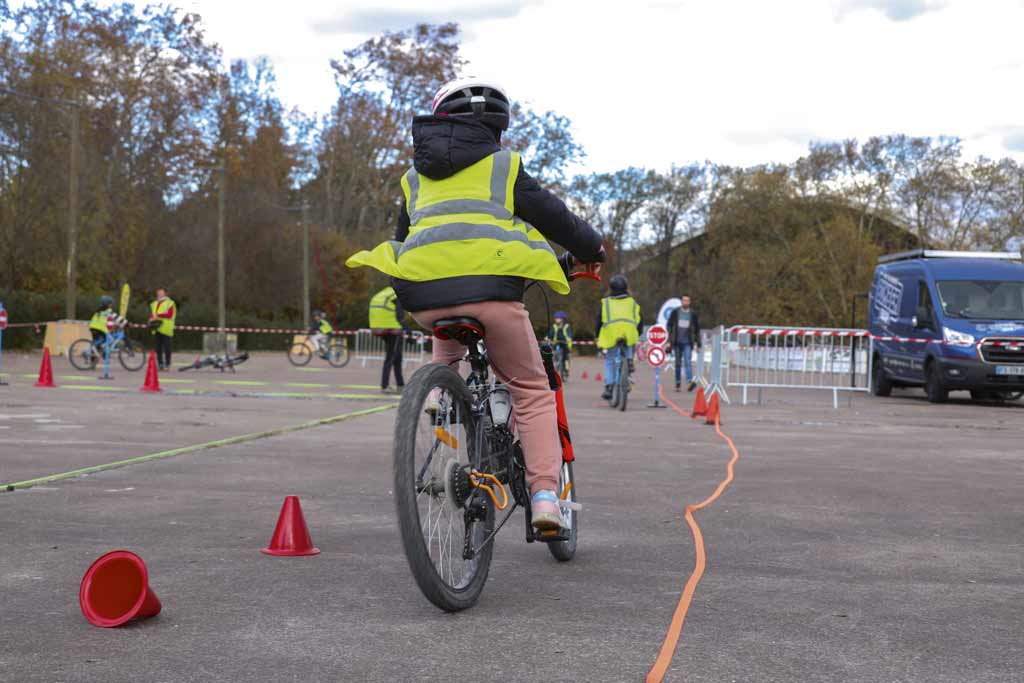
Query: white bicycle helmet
483, 100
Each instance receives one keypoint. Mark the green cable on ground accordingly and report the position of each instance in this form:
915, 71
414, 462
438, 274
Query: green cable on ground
192, 449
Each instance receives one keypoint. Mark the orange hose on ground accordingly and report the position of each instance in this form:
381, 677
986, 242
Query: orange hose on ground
668, 647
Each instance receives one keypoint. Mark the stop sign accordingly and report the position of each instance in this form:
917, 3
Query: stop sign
657, 335
3, 319
656, 356
111, 323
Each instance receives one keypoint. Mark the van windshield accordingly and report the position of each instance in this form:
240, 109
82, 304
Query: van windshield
986, 299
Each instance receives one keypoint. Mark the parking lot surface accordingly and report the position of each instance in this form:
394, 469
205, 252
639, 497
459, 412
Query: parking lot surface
878, 542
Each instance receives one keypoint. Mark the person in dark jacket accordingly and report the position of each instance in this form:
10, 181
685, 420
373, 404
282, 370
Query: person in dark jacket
684, 335
472, 232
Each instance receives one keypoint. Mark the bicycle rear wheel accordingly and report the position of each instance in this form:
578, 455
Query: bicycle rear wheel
564, 551
131, 355
81, 356
300, 354
624, 378
439, 512
337, 353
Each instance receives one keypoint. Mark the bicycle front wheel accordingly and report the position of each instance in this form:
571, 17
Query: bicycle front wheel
81, 355
565, 550
300, 354
337, 353
441, 517
131, 355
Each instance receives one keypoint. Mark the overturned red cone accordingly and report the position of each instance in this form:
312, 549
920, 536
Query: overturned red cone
700, 406
115, 590
291, 536
45, 370
152, 382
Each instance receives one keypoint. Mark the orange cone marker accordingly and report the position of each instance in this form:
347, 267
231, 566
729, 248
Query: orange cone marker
152, 382
714, 411
46, 370
584, 375
700, 406
597, 377
291, 536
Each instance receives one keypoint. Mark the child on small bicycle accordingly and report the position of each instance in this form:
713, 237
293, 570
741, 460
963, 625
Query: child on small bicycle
560, 335
320, 329
618, 320
471, 234
98, 323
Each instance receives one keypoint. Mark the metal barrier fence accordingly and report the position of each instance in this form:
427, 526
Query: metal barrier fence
831, 359
370, 347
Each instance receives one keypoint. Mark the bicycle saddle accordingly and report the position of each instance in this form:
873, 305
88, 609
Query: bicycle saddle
466, 331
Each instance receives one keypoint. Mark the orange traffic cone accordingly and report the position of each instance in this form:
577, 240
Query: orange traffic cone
45, 370
291, 536
597, 377
115, 590
714, 411
152, 382
700, 406
584, 375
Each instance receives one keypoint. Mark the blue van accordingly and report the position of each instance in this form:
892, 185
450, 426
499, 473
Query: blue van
968, 306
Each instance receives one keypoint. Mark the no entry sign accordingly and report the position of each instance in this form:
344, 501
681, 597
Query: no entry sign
3, 318
657, 335
656, 356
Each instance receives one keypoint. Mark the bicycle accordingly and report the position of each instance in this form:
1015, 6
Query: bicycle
455, 452
217, 362
86, 354
621, 382
336, 353
561, 362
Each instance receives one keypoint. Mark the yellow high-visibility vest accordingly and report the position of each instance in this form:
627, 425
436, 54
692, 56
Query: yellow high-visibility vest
383, 311
99, 320
619, 320
166, 325
465, 225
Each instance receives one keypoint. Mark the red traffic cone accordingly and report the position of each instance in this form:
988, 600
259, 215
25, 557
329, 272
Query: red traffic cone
597, 377
714, 411
46, 370
700, 405
152, 382
291, 535
115, 590
584, 375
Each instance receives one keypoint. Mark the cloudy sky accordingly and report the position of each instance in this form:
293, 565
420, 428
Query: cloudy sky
662, 81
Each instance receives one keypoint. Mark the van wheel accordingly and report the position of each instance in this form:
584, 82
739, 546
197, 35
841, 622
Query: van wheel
933, 387
880, 384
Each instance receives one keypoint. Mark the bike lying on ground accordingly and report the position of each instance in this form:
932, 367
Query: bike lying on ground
336, 353
455, 451
621, 377
86, 354
220, 362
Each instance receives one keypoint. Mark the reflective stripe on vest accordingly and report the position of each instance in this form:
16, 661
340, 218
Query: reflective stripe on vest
466, 225
383, 312
619, 319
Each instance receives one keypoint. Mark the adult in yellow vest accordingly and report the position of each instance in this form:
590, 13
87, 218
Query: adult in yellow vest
619, 320
162, 316
386, 321
466, 245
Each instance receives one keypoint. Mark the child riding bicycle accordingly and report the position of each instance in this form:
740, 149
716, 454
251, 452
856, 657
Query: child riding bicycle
320, 329
466, 245
618, 320
560, 335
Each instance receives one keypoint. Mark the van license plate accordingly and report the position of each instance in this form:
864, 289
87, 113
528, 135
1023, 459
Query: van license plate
1010, 369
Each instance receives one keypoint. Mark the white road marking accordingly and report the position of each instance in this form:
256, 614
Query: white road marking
28, 416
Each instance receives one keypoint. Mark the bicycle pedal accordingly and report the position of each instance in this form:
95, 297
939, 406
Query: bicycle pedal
552, 535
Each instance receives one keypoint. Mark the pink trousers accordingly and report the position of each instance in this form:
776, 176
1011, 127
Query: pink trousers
512, 350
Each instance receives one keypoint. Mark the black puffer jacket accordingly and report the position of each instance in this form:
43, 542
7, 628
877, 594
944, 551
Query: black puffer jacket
445, 146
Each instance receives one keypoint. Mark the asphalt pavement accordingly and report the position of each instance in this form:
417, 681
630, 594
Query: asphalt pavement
878, 542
